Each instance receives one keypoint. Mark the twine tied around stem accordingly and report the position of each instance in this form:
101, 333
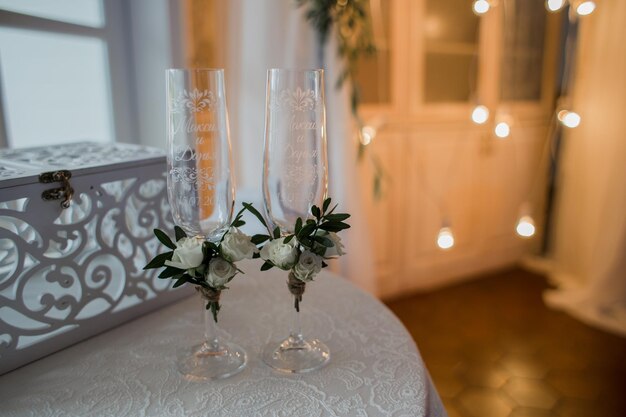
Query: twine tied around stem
296, 287
212, 297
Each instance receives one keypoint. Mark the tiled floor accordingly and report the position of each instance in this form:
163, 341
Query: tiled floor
495, 350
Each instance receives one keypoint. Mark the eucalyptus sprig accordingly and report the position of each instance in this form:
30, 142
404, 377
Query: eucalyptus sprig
354, 40
207, 265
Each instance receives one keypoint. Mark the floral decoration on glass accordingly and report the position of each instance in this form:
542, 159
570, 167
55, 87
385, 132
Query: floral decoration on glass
302, 253
207, 265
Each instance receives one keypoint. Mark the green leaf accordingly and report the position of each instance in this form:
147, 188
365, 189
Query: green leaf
179, 282
305, 241
337, 217
267, 265
332, 210
237, 217
159, 260
170, 271
298, 225
326, 205
256, 213
238, 223
276, 232
316, 212
164, 239
211, 245
256, 255
257, 239
288, 239
306, 230
180, 233
324, 241
334, 226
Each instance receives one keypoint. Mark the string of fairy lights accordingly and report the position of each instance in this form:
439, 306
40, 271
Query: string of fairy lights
564, 114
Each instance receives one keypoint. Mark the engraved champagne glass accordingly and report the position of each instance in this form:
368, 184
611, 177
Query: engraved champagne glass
294, 179
201, 192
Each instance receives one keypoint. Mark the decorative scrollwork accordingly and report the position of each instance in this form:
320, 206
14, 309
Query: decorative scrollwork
67, 272
198, 177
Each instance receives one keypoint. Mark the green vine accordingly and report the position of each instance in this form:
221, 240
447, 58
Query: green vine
355, 40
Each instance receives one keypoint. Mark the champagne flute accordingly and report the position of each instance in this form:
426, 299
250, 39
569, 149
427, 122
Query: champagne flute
294, 179
201, 192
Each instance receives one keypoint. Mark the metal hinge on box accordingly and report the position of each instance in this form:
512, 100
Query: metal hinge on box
65, 192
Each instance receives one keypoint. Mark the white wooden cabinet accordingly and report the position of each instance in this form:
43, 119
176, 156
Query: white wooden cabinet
437, 62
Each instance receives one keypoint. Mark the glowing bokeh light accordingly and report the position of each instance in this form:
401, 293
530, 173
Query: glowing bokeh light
445, 239
502, 130
481, 7
525, 226
555, 5
570, 119
585, 8
368, 133
480, 114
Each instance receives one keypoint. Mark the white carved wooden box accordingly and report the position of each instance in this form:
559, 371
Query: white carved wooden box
69, 270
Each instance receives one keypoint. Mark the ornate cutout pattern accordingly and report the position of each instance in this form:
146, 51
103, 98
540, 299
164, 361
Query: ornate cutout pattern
68, 274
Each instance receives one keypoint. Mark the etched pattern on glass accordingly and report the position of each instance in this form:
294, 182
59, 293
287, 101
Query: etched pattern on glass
296, 100
202, 177
295, 145
194, 101
199, 179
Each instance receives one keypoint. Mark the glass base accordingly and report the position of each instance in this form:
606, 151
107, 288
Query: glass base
296, 355
205, 362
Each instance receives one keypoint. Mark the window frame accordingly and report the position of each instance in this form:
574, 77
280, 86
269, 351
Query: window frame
128, 28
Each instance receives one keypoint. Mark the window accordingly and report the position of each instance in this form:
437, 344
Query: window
75, 70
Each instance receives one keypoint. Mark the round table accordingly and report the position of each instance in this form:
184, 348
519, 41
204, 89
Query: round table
375, 368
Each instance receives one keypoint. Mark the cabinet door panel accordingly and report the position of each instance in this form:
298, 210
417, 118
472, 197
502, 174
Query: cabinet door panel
441, 179
523, 50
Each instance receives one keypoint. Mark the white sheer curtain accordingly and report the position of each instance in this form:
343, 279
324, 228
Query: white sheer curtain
274, 34
589, 258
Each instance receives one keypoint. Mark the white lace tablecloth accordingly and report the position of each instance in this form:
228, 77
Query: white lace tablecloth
375, 368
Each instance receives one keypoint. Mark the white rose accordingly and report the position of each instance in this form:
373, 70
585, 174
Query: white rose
308, 266
279, 253
220, 272
337, 249
237, 246
188, 253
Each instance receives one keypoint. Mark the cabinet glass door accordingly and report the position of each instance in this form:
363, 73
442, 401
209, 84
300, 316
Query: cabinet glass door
523, 50
451, 41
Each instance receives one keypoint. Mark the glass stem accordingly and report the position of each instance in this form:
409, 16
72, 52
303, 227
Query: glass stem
295, 332
210, 330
